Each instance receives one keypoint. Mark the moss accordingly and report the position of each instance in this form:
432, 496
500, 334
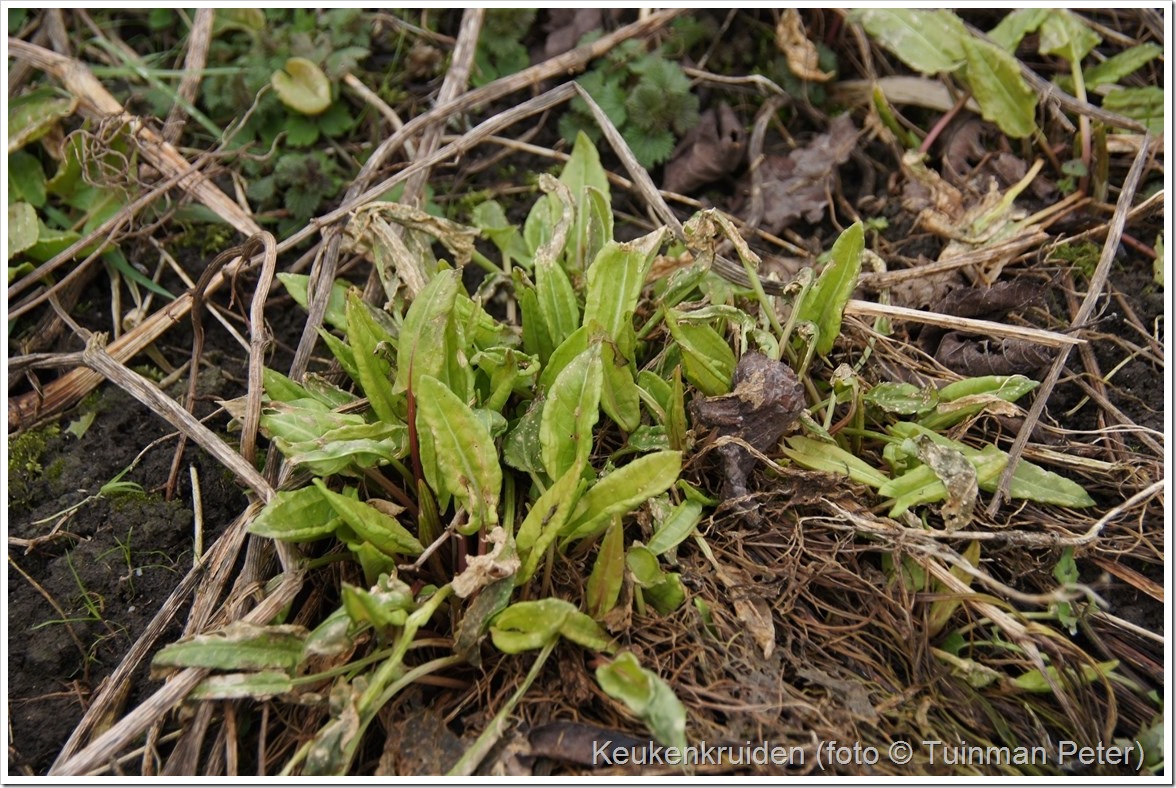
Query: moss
24, 462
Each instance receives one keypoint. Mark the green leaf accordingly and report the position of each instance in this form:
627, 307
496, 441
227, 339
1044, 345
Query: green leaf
622, 490
536, 336
238, 646
995, 78
385, 606
647, 696
26, 179
232, 686
615, 279
545, 520
570, 411
296, 516
428, 339
32, 115
1035, 681
608, 573
927, 41
556, 299
829, 457
1018, 24
302, 86
375, 371
342, 353
905, 399
372, 525
584, 174
466, 456
619, 397
825, 302
708, 359
1124, 63
1143, 104
1064, 34
335, 316
23, 228
348, 449
676, 527
526, 626
522, 450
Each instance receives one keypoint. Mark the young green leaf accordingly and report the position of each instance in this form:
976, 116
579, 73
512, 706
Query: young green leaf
526, 626
1016, 25
622, 490
347, 449
829, 457
465, 453
608, 572
385, 606
995, 78
570, 411
1064, 34
1035, 681
647, 696
588, 183
1121, 65
546, 519
708, 359
296, 516
372, 525
619, 397
428, 339
824, 304
676, 527
335, 316
615, 279
375, 371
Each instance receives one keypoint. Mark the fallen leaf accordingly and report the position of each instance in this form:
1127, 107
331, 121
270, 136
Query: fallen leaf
802, 56
797, 185
711, 150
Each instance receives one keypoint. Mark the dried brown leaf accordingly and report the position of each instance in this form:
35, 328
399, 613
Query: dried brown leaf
712, 150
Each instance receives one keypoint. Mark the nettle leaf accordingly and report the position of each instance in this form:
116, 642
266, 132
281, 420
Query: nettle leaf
428, 338
646, 695
615, 280
465, 453
335, 316
927, 41
623, 490
375, 371
825, 303
372, 525
296, 516
570, 411
238, 646
302, 86
995, 78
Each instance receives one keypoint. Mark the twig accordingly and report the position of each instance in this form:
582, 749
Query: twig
199, 38
971, 325
1097, 284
